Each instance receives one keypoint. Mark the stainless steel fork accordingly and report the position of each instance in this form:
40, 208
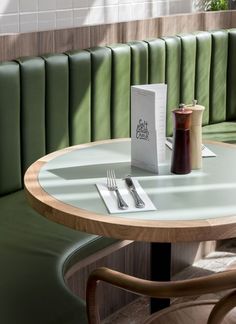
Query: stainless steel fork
112, 186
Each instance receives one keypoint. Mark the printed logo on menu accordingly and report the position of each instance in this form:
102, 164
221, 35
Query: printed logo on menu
142, 130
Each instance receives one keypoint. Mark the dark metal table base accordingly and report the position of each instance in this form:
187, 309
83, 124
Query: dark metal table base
160, 271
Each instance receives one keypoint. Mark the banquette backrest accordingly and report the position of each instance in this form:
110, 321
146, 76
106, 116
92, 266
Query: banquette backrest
50, 102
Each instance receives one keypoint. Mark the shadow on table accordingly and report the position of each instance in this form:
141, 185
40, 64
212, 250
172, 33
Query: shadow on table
121, 169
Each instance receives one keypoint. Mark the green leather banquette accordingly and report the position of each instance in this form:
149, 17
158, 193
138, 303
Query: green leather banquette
53, 101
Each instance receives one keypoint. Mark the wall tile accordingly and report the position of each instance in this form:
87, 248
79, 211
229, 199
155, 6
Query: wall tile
45, 5
9, 6
111, 14
111, 2
180, 6
64, 19
28, 22
81, 17
124, 12
141, 1
9, 23
141, 10
102, 3
34, 15
125, 1
96, 15
46, 20
28, 5
80, 4
64, 4
160, 8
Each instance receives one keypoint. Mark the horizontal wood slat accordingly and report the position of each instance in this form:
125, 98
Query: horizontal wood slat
13, 46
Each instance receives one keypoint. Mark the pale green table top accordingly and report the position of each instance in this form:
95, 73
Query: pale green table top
202, 194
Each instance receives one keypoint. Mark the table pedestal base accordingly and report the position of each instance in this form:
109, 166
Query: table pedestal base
160, 271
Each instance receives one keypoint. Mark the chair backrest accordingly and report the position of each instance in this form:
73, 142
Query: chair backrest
181, 313
53, 101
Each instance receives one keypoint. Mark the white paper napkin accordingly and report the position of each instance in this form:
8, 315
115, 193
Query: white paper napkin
206, 152
110, 199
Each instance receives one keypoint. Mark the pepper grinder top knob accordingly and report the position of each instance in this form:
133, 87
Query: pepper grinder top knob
181, 106
194, 102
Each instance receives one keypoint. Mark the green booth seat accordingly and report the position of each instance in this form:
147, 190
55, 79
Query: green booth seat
50, 102
33, 254
222, 132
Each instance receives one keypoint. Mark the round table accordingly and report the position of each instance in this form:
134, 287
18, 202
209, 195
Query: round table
194, 207
200, 206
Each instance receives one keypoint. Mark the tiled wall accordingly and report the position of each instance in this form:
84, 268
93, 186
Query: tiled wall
35, 15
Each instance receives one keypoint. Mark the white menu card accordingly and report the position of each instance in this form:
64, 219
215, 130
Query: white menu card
148, 125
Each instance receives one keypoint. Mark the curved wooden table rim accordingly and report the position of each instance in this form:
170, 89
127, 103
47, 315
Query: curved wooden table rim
118, 227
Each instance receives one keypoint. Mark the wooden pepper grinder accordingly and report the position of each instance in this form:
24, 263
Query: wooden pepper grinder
181, 162
196, 135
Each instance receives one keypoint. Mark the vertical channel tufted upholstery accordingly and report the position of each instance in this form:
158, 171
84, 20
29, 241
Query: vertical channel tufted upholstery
188, 66
80, 97
10, 160
56, 102
120, 91
101, 93
33, 134
173, 68
139, 62
157, 60
218, 81
203, 68
231, 81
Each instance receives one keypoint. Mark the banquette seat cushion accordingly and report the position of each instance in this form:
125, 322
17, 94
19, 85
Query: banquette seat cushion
222, 132
33, 254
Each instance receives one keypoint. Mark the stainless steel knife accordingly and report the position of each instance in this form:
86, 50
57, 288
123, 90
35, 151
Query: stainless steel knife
139, 203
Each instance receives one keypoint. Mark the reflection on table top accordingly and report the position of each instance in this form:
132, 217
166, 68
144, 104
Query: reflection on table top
197, 206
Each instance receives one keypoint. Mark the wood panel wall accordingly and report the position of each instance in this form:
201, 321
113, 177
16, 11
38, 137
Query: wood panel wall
57, 41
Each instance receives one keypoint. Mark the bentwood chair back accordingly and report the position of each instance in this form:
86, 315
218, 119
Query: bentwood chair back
195, 312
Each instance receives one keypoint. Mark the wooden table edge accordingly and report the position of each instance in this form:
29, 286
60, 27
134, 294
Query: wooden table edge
118, 227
